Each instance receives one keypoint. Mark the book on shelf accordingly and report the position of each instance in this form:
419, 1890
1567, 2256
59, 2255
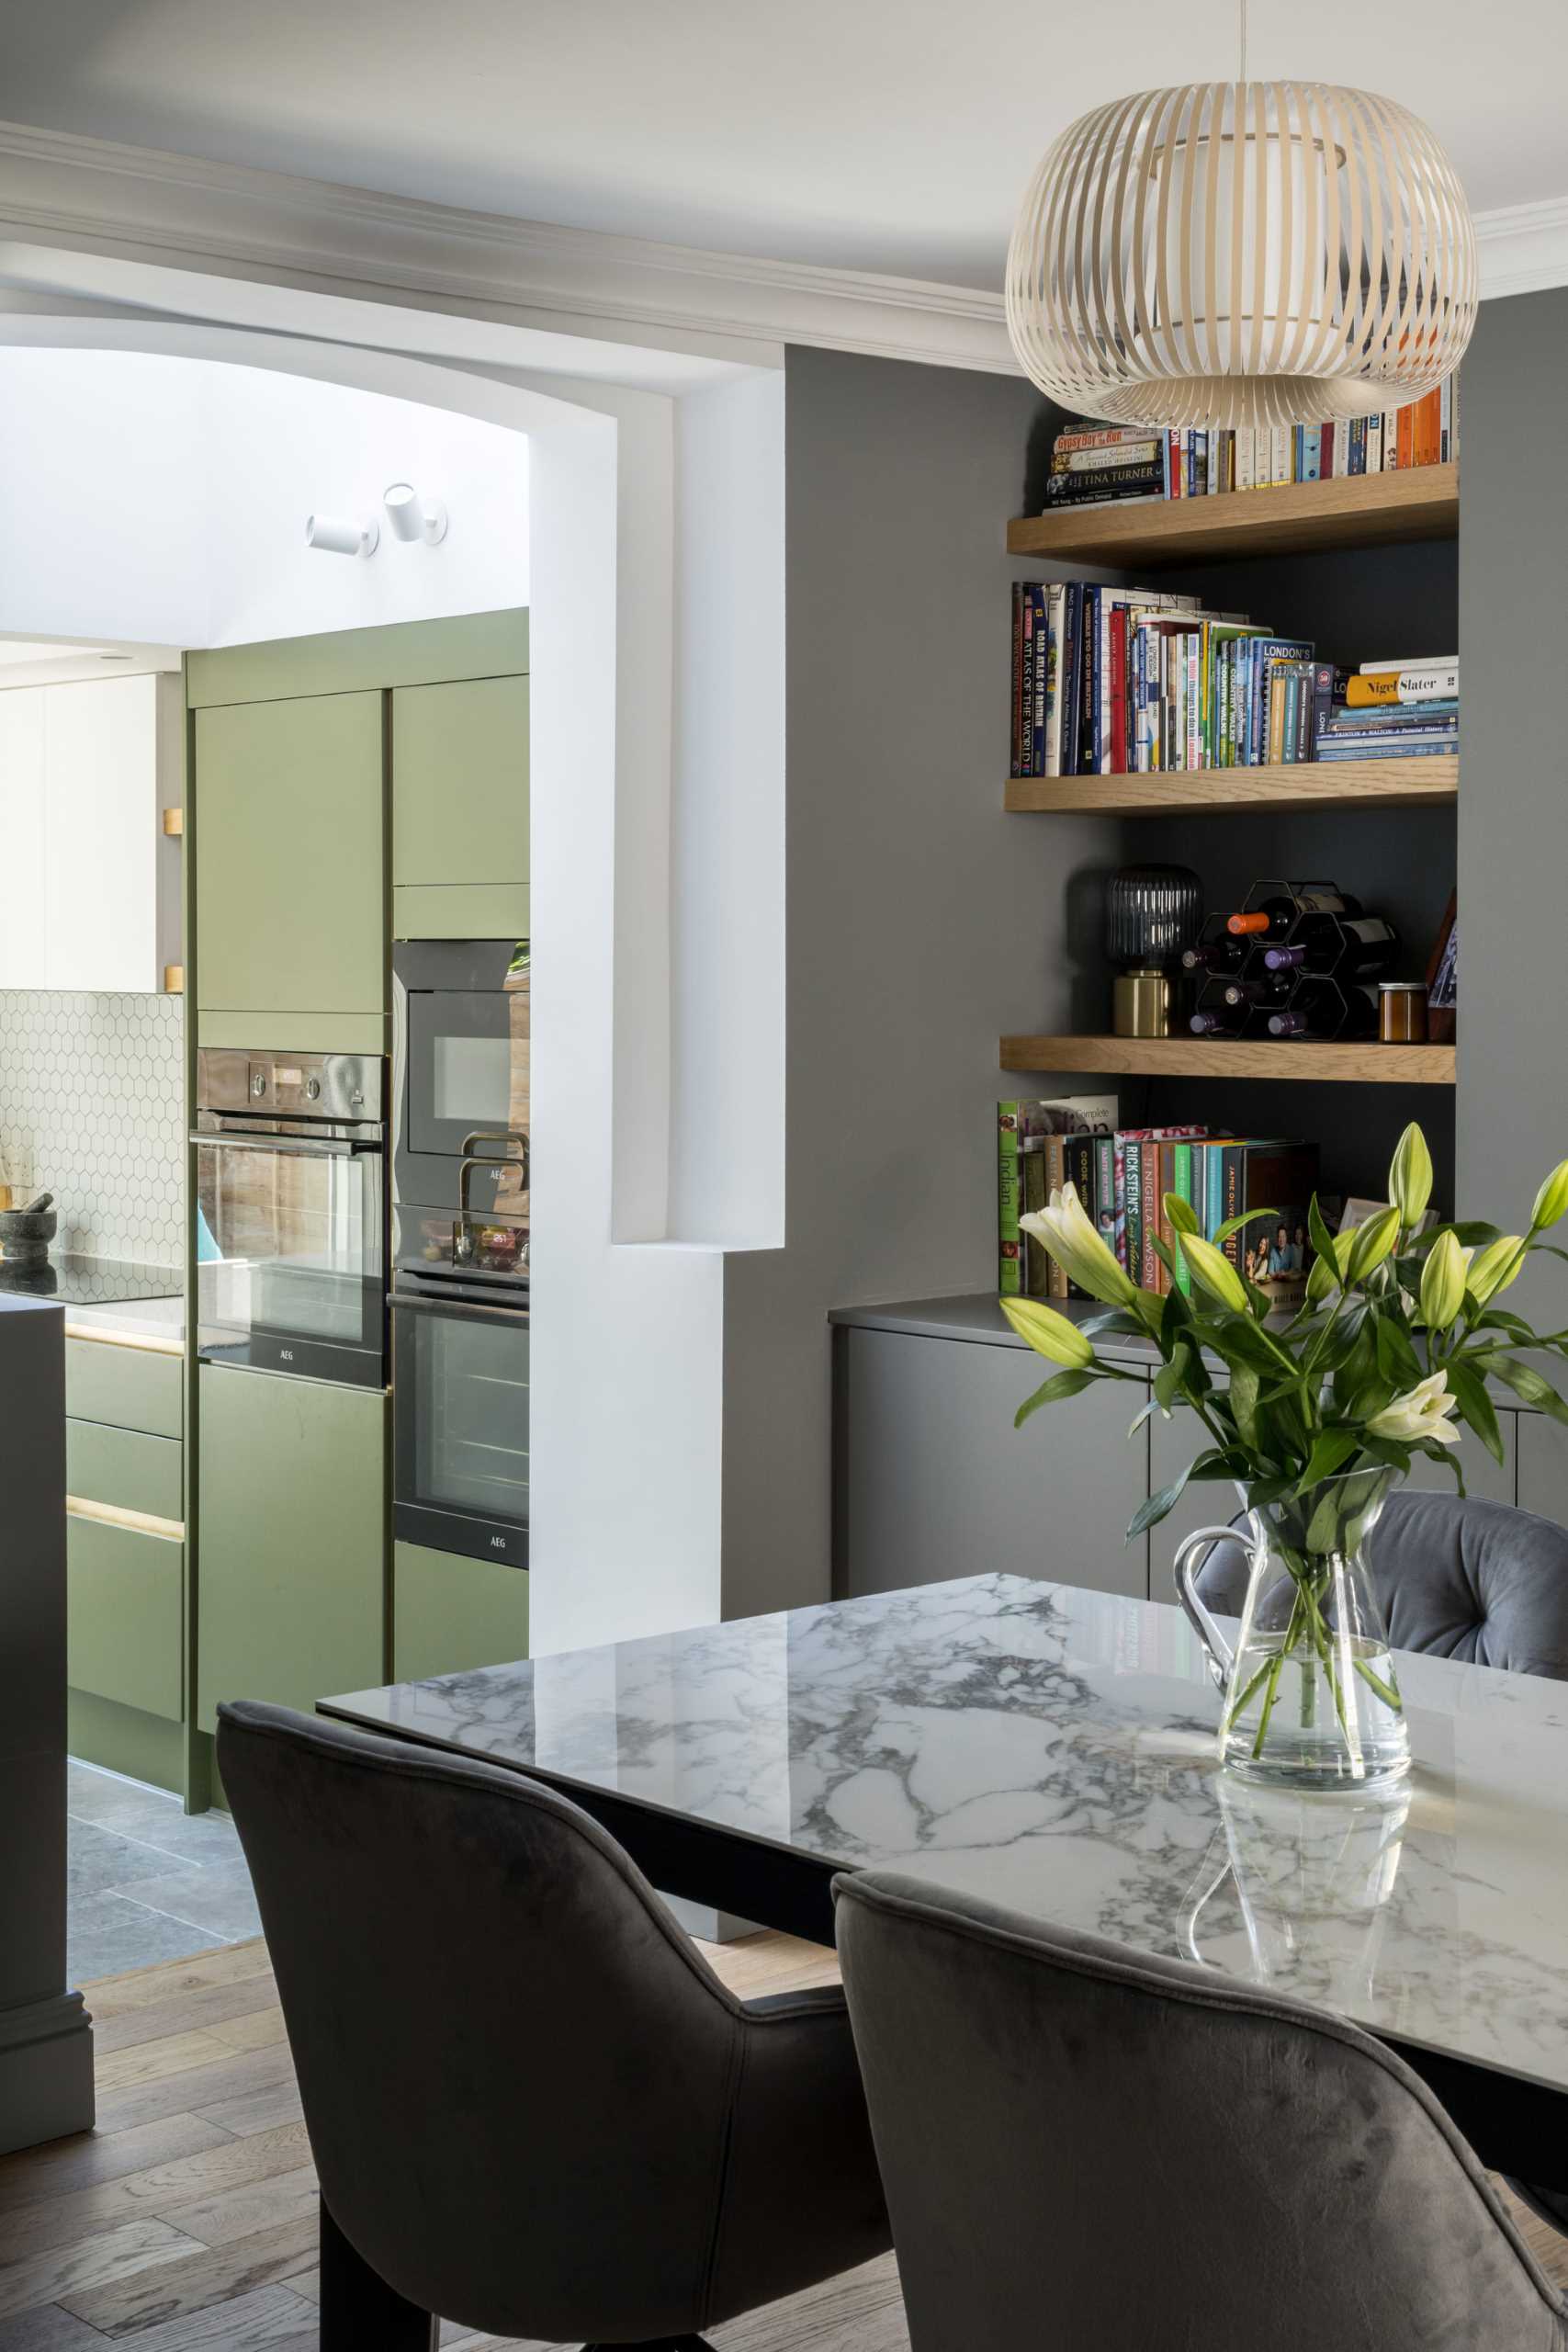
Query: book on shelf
1094, 463
1144, 681
1023, 1128
1124, 1180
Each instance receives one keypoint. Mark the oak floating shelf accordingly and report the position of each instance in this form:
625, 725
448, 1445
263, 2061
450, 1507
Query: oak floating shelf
1331, 784
1360, 1061
1299, 518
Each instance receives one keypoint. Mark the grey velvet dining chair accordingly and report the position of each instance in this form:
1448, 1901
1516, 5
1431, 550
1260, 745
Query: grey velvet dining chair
533, 2107
1085, 2147
1456, 1576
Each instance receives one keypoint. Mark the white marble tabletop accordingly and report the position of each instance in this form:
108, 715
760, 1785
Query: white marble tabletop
1053, 1750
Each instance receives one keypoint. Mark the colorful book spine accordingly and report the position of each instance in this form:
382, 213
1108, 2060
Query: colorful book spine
1183, 1188
1010, 1199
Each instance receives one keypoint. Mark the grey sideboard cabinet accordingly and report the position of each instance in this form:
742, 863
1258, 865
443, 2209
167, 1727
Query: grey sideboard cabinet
933, 1481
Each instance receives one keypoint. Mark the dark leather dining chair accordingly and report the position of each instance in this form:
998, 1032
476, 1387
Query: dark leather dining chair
533, 2107
1456, 1576
1087, 2147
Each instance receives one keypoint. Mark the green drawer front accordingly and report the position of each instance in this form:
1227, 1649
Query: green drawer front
133, 1388
460, 782
450, 1613
124, 1467
125, 1615
460, 910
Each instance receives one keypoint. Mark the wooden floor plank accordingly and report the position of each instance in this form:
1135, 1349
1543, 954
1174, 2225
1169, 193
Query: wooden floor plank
260, 2029
167, 1980
195, 2088
47, 2330
62, 2165
272, 2320
259, 2205
149, 2061
210, 2004
222, 2274
262, 2110
157, 2192
50, 2276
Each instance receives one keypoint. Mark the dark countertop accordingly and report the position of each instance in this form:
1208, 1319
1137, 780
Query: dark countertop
105, 1296
975, 1315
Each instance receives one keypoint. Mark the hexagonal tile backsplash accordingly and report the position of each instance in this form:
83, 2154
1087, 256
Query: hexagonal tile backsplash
92, 1109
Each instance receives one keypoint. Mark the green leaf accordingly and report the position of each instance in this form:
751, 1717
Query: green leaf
1331, 1452
1477, 1407
1525, 1382
1356, 1364
1397, 1360
1150, 1513
1235, 1224
1171, 1378
1061, 1384
1162, 1252
1498, 1318
1180, 1214
1318, 1231
1245, 1381
1139, 1418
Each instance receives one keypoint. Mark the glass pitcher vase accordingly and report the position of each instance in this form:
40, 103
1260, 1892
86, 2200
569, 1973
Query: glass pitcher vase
1309, 1696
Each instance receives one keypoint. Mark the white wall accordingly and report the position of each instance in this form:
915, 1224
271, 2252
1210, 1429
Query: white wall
165, 498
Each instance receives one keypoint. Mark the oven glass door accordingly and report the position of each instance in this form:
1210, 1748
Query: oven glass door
460, 1403
298, 1283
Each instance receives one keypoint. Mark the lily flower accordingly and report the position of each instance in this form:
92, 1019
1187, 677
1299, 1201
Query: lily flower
1048, 1333
1068, 1232
1421, 1412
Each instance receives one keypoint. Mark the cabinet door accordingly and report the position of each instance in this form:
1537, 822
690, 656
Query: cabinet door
23, 799
450, 1613
102, 835
289, 866
291, 1481
937, 1483
460, 783
125, 1614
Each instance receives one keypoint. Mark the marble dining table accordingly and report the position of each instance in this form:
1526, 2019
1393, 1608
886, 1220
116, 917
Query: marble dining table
1053, 1751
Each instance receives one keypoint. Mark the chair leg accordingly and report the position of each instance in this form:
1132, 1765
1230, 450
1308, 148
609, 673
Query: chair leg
359, 2308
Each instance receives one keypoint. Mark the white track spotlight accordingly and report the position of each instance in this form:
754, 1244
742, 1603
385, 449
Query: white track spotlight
336, 534
410, 516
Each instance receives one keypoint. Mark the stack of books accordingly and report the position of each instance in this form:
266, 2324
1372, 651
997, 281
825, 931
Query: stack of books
1093, 463
1393, 710
1123, 1175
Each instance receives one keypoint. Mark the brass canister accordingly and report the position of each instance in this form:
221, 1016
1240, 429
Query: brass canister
1141, 1004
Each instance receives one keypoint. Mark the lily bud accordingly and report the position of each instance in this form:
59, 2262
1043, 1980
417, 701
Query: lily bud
1494, 1268
1068, 1234
1551, 1201
1442, 1283
1372, 1242
1213, 1269
1048, 1333
1410, 1177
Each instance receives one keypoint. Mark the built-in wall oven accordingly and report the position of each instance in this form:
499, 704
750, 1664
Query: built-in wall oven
459, 1297
290, 1152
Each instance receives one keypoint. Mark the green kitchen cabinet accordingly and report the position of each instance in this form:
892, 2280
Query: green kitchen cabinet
125, 1614
460, 809
290, 838
450, 1613
128, 1387
292, 1576
125, 1469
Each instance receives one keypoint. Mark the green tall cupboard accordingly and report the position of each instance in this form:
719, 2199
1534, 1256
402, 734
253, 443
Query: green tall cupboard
460, 809
290, 876
292, 1495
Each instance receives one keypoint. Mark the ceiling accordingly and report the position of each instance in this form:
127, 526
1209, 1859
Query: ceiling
890, 135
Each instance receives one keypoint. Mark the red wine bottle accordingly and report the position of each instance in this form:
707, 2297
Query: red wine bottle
1213, 1023
1260, 987
1341, 946
1271, 909
1321, 1008
1214, 952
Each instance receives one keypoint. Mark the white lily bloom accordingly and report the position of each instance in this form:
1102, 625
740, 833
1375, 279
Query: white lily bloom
1421, 1412
1068, 1232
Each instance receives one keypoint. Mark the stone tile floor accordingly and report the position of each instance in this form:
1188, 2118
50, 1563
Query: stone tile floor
147, 1882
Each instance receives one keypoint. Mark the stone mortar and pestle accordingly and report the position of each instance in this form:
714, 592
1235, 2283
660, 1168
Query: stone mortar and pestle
26, 1233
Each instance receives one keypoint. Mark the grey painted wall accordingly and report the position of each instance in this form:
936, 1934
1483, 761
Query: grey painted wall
921, 920
1513, 823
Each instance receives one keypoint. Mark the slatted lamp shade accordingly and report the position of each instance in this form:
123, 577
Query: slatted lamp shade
1242, 252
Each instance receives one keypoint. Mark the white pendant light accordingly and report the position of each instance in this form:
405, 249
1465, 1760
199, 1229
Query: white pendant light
1242, 252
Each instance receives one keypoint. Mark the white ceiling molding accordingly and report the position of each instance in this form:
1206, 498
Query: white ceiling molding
178, 213
177, 210
1524, 247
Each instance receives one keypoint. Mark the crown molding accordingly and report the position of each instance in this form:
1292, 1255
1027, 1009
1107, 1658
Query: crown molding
179, 211
1523, 247
182, 212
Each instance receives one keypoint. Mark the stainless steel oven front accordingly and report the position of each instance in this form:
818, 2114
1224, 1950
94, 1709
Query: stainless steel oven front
290, 1153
